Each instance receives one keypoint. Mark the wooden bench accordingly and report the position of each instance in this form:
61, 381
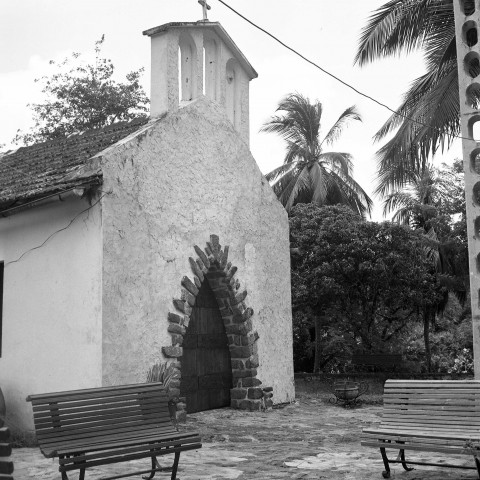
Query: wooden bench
101, 426
6, 464
375, 360
441, 416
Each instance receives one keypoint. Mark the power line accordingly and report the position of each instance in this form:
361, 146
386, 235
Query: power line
343, 82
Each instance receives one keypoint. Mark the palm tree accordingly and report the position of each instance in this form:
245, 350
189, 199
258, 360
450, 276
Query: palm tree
431, 103
309, 174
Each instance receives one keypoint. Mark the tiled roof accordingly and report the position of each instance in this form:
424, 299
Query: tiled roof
50, 167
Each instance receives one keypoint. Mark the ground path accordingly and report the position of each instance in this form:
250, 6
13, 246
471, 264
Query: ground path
307, 440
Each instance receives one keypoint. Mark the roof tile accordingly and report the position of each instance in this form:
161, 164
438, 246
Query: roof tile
57, 165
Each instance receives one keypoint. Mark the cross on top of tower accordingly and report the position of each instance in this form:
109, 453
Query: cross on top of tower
205, 7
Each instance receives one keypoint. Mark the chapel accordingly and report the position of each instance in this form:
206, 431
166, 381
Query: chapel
153, 241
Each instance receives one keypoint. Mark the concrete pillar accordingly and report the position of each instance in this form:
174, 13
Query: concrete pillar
467, 22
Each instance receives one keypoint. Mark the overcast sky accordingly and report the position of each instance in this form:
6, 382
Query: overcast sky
32, 32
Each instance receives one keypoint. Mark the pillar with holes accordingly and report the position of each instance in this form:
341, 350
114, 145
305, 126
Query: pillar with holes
467, 23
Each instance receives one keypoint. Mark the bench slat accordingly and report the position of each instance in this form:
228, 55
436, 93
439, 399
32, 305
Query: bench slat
126, 458
101, 391
63, 435
462, 411
102, 431
423, 448
466, 401
107, 436
131, 442
96, 415
421, 432
432, 384
130, 449
440, 391
48, 407
394, 437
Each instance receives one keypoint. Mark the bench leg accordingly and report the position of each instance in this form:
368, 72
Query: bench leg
386, 472
401, 454
477, 463
155, 464
175, 466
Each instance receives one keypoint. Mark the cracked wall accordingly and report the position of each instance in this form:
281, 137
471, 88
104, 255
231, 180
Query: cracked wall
179, 179
52, 317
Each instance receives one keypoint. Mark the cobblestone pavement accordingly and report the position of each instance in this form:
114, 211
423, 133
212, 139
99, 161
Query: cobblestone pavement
307, 440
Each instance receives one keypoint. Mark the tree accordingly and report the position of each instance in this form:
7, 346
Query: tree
431, 103
308, 173
361, 283
427, 204
84, 97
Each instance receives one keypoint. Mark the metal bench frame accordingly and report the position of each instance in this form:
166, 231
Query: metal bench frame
102, 426
441, 416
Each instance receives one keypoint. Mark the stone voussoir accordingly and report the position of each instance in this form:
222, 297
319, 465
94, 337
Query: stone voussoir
172, 352
188, 297
174, 318
238, 393
252, 372
190, 286
179, 305
239, 352
196, 269
202, 256
201, 266
255, 393
177, 339
223, 263
176, 328
250, 382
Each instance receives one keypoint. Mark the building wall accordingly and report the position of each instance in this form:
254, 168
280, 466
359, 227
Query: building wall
179, 180
51, 304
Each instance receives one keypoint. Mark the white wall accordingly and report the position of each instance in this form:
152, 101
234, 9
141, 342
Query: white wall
174, 184
51, 304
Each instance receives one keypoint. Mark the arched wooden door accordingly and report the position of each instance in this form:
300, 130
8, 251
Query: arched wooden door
206, 368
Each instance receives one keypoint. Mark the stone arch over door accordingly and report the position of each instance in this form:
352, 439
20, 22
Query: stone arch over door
211, 265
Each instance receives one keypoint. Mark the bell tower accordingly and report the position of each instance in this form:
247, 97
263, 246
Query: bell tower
191, 59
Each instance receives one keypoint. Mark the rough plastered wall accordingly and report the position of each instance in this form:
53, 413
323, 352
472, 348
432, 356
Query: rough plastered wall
51, 304
182, 178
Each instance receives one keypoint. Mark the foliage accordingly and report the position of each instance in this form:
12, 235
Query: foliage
451, 341
463, 363
162, 372
84, 97
362, 283
429, 203
431, 103
308, 173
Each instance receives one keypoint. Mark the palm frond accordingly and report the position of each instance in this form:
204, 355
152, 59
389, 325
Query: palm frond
411, 146
290, 194
337, 161
319, 184
279, 171
398, 25
334, 133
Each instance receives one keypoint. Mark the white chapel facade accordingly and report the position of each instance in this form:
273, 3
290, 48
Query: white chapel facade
175, 248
